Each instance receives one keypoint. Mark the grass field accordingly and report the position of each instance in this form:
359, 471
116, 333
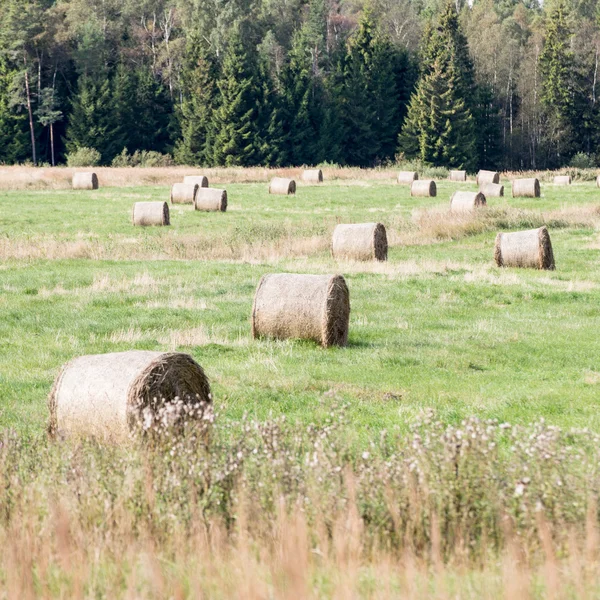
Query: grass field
393, 474
438, 325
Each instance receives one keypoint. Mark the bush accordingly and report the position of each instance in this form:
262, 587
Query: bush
144, 158
582, 161
83, 157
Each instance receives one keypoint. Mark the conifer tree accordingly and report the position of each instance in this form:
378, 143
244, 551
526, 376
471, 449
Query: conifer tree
556, 68
236, 139
14, 137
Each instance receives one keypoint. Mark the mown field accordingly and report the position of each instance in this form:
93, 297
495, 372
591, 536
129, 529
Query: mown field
438, 325
451, 450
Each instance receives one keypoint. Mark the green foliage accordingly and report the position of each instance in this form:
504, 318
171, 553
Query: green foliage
143, 158
83, 157
582, 161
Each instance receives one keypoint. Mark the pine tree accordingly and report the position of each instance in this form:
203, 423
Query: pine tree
197, 106
14, 136
556, 68
236, 140
440, 125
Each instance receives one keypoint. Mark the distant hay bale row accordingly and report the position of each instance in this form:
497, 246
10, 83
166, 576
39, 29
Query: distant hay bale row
528, 249
424, 188
487, 177
492, 190
199, 180
458, 175
184, 193
211, 199
312, 176
407, 177
562, 180
466, 201
363, 241
310, 307
146, 214
526, 188
282, 186
110, 396
85, 181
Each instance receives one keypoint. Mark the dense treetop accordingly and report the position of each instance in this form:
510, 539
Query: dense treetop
498, 84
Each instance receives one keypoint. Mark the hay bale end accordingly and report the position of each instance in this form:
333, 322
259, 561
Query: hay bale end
362, 241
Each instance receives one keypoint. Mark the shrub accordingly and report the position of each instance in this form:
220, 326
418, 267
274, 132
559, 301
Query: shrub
83, 157
143, 158
582, 161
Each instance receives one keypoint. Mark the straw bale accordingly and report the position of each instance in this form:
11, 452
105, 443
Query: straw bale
363, 241
458, 175
528, 249
423, 188
492, 190
407, 177
150, 213
184, 193
466, 201
312, 175
527, 188
85, 181
211, 199
200, 180
280, 185
487, 177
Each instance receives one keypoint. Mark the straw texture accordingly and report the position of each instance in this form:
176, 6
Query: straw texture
146, 214
562, 180
280, 185
85, 181
363, 241
598, 181
487, 177
184, 193
211, 199
458, 175
528, 249
526, 188
312, 175
312, 307
466, 201
492, 190
200, 180
423, 188
407, 177
107, 395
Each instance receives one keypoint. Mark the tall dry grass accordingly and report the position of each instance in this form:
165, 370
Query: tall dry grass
274, 510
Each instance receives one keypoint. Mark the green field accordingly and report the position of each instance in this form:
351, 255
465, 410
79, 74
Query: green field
438, 325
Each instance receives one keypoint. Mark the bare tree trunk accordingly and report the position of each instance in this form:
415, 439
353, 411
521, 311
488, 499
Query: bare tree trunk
595, 77
30, 112
52, 143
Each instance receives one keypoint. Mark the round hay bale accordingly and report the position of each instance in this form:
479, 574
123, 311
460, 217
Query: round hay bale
280, 185
201, 180
526, 188
184, 193
527, 249
598, 181
492, 190
423, 188
312, 175
562, 180
150, 213
111, 396
487, 177
363, 241
466, 201
85, 181
407, 177
458, 175
211, 199
311, 307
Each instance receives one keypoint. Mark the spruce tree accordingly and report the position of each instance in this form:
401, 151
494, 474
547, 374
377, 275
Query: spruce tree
236, 141
14, 136
556, 68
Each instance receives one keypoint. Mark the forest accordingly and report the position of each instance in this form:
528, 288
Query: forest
496, 84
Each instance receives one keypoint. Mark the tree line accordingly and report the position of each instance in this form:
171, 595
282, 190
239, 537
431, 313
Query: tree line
496, 84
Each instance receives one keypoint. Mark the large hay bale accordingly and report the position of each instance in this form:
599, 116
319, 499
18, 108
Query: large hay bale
362, 241
424, 188
526, 188
458, 175
111, 396
85, 181
312, 307
487, 177
312, 175
562, 180
201, 180
407, 177
184, 193
283, 186
492, 190
598, 181
150, 213
528, 249
466, 201
211, 199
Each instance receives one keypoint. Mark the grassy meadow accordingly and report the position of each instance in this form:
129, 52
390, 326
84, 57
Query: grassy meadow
383, 469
